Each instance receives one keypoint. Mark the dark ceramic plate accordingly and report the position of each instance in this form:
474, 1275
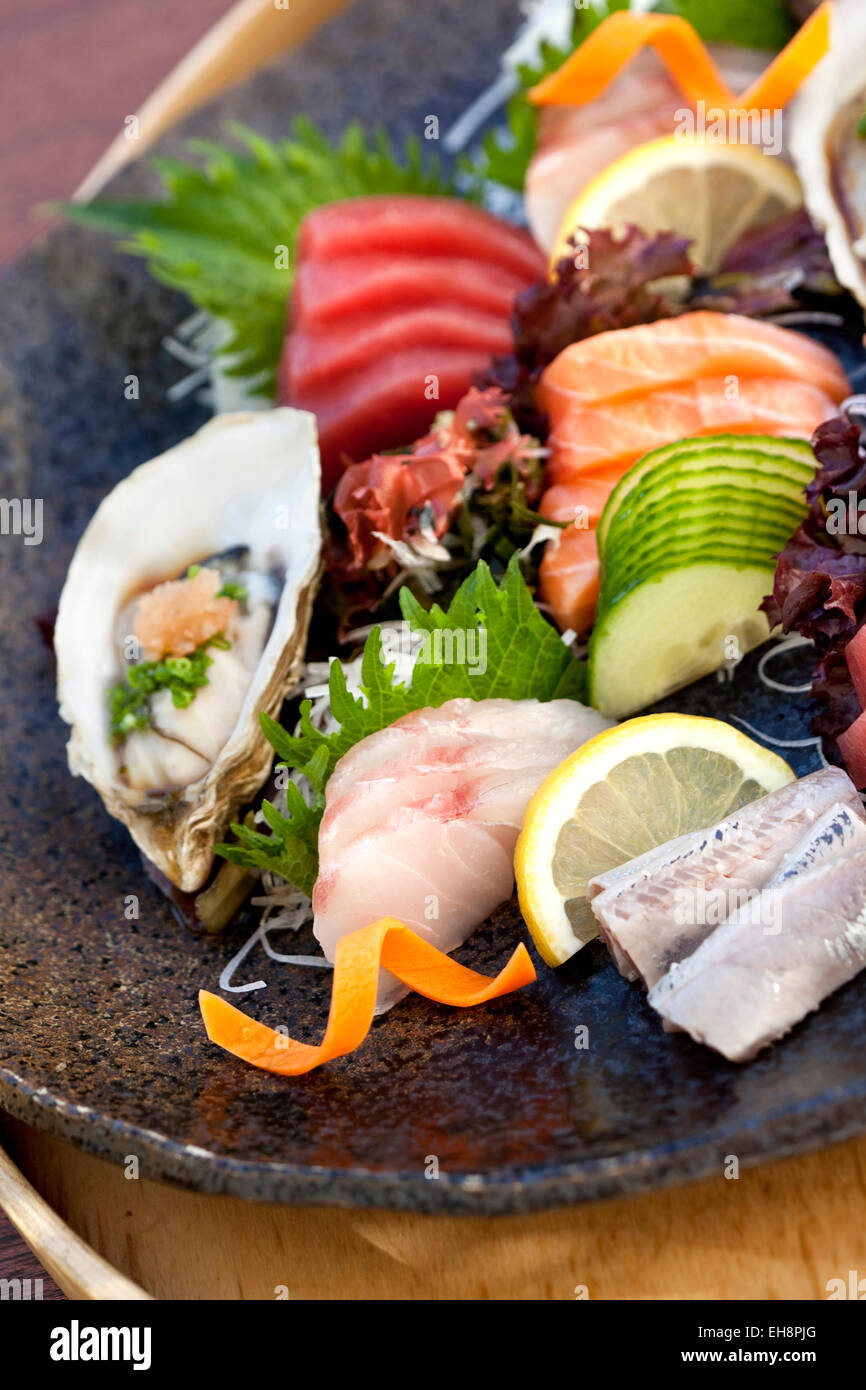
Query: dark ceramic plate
100, 1036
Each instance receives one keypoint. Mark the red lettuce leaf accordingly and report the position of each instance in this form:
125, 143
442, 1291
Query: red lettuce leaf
771, 269
819, 588
610, 282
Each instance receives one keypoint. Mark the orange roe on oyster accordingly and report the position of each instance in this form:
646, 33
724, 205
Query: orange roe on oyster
176, 617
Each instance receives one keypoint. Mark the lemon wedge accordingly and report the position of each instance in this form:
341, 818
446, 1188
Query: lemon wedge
624, 792
712, 194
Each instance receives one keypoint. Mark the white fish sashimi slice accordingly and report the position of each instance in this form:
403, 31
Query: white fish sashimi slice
576, 143
459, 722
421, 819
773, 962
424, 880
427, 753
423, 770
660, 907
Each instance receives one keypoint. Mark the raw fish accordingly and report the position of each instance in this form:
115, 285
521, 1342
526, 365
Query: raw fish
341, 292
415, 224
841, 828
763, 970
575, 143
613, 397
386, 403
421, 819
660, 907
628, 362
590, 438
313, 356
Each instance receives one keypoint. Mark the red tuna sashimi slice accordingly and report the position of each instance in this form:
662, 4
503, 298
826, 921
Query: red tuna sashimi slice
416, 225
387, 404
589, 438
418, 824
325, 292
625, 363
852, 746
311, 358
855, 655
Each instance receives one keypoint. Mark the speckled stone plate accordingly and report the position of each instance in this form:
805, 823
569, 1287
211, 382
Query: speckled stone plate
100, 1035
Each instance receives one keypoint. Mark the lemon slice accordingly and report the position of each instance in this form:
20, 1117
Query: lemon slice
709, 193
627, 791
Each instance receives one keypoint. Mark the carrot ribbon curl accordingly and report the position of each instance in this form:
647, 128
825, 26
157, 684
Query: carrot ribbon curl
357, 959
621, 35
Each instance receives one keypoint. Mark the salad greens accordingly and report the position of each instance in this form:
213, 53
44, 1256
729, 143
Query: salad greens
522, 656
767, 24
225, 235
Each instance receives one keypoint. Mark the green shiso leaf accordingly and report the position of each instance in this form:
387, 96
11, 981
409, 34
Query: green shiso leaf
225, 234
514, 653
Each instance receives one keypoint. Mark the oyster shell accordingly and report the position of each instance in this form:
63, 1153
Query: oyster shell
244, 489
827, 151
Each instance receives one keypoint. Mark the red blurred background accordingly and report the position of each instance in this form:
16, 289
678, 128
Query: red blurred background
70, 70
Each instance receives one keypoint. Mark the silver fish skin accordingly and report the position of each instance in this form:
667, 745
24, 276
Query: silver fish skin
840, 829
660, 907
748, 984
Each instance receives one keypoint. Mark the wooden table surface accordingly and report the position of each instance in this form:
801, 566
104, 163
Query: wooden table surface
781, 1231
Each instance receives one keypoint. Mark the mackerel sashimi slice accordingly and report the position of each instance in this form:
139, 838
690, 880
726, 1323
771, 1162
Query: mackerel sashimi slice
762, 971
421, 819
658, 909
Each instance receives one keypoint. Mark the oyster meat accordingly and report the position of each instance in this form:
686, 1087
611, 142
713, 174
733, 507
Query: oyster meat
184, 614
828, 149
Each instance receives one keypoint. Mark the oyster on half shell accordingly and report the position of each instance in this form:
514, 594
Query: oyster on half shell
827, 148
234, 512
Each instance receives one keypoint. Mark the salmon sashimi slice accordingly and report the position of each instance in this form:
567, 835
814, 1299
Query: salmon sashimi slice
772, 962
582, 500
625, 363
416, 224
570, 579
327, 291
658, 909
587, 438
852, 746
425, 815
386, 404
314, 356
